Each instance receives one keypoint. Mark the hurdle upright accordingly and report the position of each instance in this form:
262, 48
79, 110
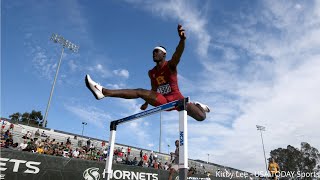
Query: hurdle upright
183, 135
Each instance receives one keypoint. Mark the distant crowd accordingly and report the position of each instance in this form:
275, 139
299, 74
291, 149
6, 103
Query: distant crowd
41, 143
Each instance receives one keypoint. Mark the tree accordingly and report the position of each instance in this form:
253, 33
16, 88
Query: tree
35, 118
311, 156
25, 117
292, 159
15, 117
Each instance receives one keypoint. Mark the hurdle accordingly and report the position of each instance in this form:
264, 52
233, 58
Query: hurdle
183, 135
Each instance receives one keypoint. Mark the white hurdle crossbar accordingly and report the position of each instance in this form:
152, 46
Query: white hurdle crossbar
183, 134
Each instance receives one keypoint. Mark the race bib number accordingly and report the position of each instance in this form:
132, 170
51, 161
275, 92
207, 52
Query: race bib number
164, 89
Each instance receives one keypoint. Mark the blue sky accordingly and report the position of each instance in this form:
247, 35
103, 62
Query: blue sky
252, 62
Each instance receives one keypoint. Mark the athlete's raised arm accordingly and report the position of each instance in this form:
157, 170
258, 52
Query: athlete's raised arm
179, 50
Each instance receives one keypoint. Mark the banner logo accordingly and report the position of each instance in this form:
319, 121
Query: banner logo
91, 174
181, 138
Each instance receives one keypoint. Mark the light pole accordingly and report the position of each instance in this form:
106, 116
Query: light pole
168, 148
262, 128
83, 123
208, 158
65, 44
160, 133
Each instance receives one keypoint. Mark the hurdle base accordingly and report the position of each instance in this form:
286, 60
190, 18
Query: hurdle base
183, 173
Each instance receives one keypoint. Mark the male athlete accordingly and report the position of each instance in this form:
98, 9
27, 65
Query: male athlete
164, 83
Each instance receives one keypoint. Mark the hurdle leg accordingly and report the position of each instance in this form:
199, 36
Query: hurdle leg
108, 167
183, 145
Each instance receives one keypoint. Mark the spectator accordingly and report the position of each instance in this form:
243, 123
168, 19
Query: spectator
88, 143
43, 134
105, 152
30, 146
37, 133
75, 137
151, 158
40, 149
175, 167
160, 165
140, 163
145, 158
103, 143
11, 126
23, 145
14, 146
128, 151
273, 168
166, 167
28, 135
3, 124
127, 161
80, 143
61, 146
6, 135
155, 164
68, 141
5, 143
134, 162
141, 153
75, 153
38, 142
92, 147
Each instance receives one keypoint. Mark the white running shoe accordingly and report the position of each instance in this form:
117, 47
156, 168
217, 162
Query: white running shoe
204, 107
94, 87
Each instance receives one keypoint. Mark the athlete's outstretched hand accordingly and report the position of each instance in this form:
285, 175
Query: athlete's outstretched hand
144, 106
181, 32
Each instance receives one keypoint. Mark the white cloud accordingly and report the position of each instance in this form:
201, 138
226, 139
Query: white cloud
122, 73
73, 66
298, 6
101, 70
186, 12
150, 145
89, 114
278, 87
268, 75
43, 65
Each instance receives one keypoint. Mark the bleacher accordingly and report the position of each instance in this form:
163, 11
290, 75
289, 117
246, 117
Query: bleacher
20, 130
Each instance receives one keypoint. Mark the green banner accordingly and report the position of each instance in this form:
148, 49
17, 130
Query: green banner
19, 165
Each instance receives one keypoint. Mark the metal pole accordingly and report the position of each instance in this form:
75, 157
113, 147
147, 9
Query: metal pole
183, 145
65, 44
262, 128
82, 129
28, 119
107, 174
160, 133
264, 153
83, 123
208, 159
54, 82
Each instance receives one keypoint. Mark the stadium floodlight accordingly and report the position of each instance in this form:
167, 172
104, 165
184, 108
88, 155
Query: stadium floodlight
262, 128
83, 123
65, 44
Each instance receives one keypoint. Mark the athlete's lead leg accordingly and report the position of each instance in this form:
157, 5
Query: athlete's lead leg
100, 92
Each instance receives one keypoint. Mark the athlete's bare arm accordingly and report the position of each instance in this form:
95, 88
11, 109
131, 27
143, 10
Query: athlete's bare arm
179, 50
